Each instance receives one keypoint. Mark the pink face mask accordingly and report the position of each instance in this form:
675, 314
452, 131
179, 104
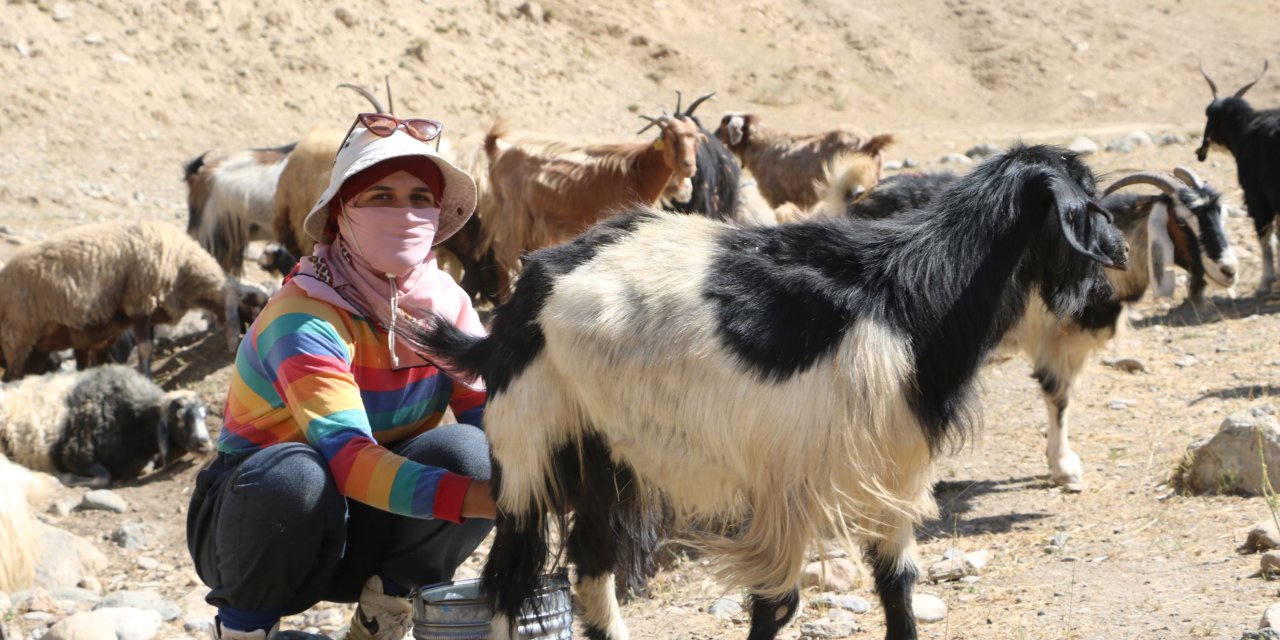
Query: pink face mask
392, 240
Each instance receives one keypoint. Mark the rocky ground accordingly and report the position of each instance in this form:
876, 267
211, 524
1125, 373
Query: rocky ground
104, 101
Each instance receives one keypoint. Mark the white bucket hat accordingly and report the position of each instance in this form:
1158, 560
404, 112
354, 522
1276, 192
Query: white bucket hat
363, 149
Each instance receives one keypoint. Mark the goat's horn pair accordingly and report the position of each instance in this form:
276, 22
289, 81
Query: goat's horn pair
1213, 86
662, 119
368, 95
694, 105
1249, 86
1161, 180
679, 99
1188, 176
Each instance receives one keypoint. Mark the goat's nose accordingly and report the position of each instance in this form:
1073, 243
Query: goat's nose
1228, 271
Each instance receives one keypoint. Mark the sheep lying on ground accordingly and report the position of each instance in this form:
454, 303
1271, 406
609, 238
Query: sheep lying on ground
107, 422
82, 288
798, 380
20, 489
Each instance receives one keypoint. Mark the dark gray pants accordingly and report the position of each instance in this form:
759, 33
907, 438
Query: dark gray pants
269, 532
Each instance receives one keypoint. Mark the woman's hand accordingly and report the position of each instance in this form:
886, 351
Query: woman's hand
477, 503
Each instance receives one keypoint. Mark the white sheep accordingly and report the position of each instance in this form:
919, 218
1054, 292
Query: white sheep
82, 288
106, 422
20, 489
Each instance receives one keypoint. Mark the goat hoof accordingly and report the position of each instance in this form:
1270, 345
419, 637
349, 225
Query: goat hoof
1070, 483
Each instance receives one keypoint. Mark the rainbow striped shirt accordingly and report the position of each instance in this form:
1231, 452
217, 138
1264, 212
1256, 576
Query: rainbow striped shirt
311, 372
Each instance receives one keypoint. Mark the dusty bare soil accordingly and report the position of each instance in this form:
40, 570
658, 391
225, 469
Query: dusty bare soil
101, 109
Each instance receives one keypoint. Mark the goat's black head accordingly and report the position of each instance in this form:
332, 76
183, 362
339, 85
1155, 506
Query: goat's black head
182, 427
1222, 111
1076, 236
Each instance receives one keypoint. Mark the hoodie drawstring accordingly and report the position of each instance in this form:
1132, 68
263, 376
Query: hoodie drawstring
391, 331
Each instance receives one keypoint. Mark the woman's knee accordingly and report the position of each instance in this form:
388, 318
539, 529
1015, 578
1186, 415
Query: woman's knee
288, 479
460, 448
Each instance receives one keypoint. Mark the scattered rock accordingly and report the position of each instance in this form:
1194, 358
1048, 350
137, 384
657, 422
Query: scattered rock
1121, 404
982, 150
531, 10
131, 535
826, 629
977, 560
346, 17
928, 608
1120, 145
39, 601
65, 558
23, 50
1262, 537
62, 13
1057, 543
5, 603
198, 625
104, 499
89, 625
148, 564
62, 508
955, 158
1271, 618
1083, 146
1128, 365
1229, 461
132, 624
892, 165
948, 570
94, 38
1187, 361
839, 575
330, 618
75, 595
197, 615
853, 604
147, 600
725, 608
1171, 138
90, 583
910, 163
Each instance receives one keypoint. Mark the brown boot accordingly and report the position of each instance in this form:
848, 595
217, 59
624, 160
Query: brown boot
380, 616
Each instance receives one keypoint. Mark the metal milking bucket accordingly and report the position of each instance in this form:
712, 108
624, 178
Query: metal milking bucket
458, 611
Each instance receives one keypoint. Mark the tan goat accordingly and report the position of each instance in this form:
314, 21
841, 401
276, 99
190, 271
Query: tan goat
544, 192
787, 166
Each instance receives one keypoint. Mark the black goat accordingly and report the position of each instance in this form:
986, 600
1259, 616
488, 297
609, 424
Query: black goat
1253, 137
715, 184
903, 192
817, 371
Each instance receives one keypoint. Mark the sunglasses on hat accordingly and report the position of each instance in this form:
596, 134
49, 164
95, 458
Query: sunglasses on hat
383, 125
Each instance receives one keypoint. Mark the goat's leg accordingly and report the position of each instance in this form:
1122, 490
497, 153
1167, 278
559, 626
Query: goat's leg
895, 572
593, 549
1267, 241
142, 329
769, 616
1064, 465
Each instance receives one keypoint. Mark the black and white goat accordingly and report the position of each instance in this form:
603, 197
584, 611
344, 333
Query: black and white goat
714, 186
798, 379
1253, 137
1185, 225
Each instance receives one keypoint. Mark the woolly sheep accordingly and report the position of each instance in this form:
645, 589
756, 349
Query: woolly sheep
82, 288
20, 489
105, 423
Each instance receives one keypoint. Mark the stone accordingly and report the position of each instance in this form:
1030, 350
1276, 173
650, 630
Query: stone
75, 595
331, 618
1187, 361
1229, 461
827, 629
198, 625
1083, 146
23, 50
6, 603
892, 165
1271, 618
1127, 365
40, 600
346, 17
853, 604
947, 570
131, 535
910, 163
1172, 138
132, 624
1120, 145
1139, 139
196, 613
982, 150
62, 508
61, 13
839, 575
1262, 537
928, 608
90, 583
532, 11
977, 560
955, 158
148, 564
146, 600
94, 38
89, 625
104, 499
725, 608
65, 558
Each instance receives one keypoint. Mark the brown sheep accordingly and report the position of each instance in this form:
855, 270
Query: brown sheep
787, 166
82, 288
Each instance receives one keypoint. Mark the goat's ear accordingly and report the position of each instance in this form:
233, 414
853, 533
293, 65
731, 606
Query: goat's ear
162, 439
1160, 252
736, 128
1086, 225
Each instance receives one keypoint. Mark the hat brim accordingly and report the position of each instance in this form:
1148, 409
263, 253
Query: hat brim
363, 149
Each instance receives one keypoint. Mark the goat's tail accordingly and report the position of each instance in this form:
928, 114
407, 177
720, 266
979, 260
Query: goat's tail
496, 132
877, 144
847, 178
459, 353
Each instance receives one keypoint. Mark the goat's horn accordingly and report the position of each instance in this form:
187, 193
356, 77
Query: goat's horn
1249, 86
652, 121
1160, 180
694, 105
377, 106
679, 99
1213, 86
391, 105
1188, 176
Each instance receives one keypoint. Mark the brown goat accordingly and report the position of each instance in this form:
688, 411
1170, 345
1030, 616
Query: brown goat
788, 166
544, 192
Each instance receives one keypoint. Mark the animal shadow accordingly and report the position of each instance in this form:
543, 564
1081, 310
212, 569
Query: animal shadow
957, 498
1242, 392
1213, 311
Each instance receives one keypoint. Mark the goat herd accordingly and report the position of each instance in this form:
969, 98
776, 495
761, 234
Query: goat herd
773, 373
